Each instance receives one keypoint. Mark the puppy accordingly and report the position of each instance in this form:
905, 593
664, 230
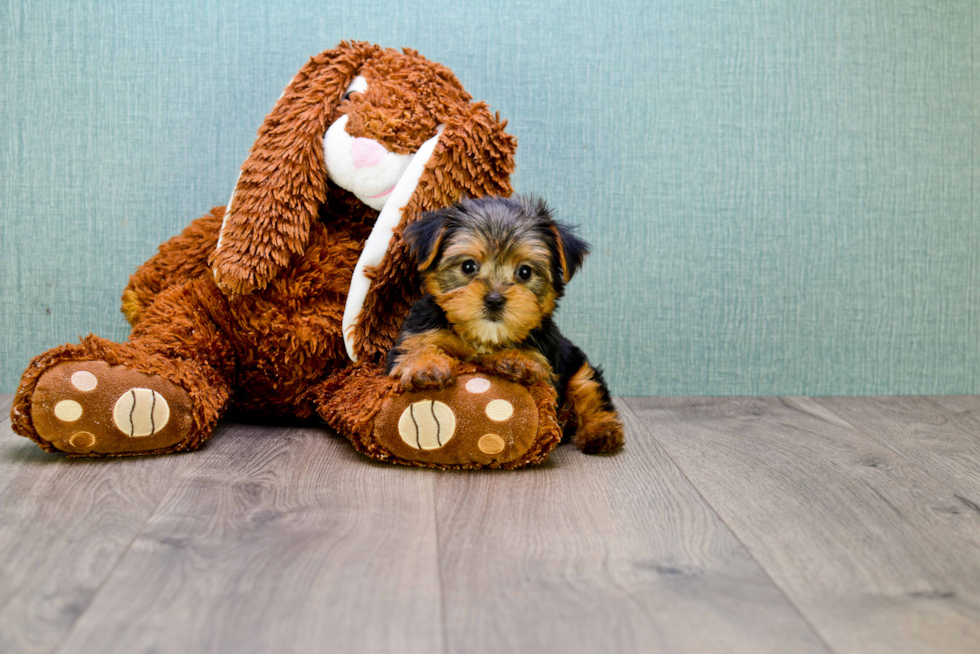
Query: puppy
493, 270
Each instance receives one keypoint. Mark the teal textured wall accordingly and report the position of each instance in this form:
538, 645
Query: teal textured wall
784, 197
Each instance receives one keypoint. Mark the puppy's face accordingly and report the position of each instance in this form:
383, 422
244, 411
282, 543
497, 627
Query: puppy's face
496, 266
494, 285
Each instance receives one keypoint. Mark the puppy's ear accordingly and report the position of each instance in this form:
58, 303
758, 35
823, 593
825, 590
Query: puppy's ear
571, 250
283, 182
425, 237
568, 250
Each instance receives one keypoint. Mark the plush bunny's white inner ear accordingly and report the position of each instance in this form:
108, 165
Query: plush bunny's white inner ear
224, 220
380, 238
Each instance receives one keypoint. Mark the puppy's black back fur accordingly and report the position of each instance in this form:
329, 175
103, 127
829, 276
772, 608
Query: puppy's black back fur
565, 358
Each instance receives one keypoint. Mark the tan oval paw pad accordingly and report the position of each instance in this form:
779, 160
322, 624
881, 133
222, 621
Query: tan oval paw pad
140, 412
68, 410
427, 425
499, 410
84, 381
478, 385
491, 444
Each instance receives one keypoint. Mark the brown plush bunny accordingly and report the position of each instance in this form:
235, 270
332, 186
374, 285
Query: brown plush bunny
285, 302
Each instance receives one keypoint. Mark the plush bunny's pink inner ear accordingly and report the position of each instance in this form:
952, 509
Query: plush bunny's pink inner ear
283, 182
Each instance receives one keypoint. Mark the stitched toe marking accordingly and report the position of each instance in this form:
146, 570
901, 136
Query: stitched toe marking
427, 425
140, 412
82, 440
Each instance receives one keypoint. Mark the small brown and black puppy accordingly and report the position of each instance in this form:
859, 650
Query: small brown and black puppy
493, 270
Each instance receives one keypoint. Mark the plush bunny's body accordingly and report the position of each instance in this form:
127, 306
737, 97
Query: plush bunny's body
286, 301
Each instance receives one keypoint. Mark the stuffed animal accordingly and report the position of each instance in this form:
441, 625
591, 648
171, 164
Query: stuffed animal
286, 301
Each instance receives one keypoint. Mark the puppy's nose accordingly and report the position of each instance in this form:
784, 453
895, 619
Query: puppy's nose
366, 152
494, 301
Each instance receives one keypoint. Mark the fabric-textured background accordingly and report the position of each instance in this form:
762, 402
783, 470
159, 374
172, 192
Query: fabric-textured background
784, 197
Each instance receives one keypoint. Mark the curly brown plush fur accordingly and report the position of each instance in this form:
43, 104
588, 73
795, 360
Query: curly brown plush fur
245, 306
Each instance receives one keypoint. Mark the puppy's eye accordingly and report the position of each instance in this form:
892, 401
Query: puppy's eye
524, 273
469, 267
348, 95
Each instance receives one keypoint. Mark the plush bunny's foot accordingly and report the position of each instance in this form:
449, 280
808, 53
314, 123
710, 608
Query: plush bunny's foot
92, 408
479, 421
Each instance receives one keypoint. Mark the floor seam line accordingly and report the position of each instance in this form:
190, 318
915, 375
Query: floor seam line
731, 530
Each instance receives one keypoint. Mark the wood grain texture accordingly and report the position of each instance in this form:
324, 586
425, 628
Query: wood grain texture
277, 540
601, 554
850, 529
728, 525
938, 435
64, 525
6, 401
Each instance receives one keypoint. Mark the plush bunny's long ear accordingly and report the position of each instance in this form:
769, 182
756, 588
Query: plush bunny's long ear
472, 156
282, 184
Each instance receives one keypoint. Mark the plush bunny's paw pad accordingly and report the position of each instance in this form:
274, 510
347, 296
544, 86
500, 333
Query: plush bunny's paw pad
478, 421
90, 407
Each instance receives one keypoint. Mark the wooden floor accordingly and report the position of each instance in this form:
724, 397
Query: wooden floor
727, 525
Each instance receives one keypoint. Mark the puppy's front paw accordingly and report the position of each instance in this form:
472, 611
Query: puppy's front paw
517, 367
432, 371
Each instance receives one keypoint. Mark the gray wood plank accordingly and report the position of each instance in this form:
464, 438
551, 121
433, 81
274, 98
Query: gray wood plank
6, 401
842, 524
601, 554
966, 406
939, 436
64, 524
277, 540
